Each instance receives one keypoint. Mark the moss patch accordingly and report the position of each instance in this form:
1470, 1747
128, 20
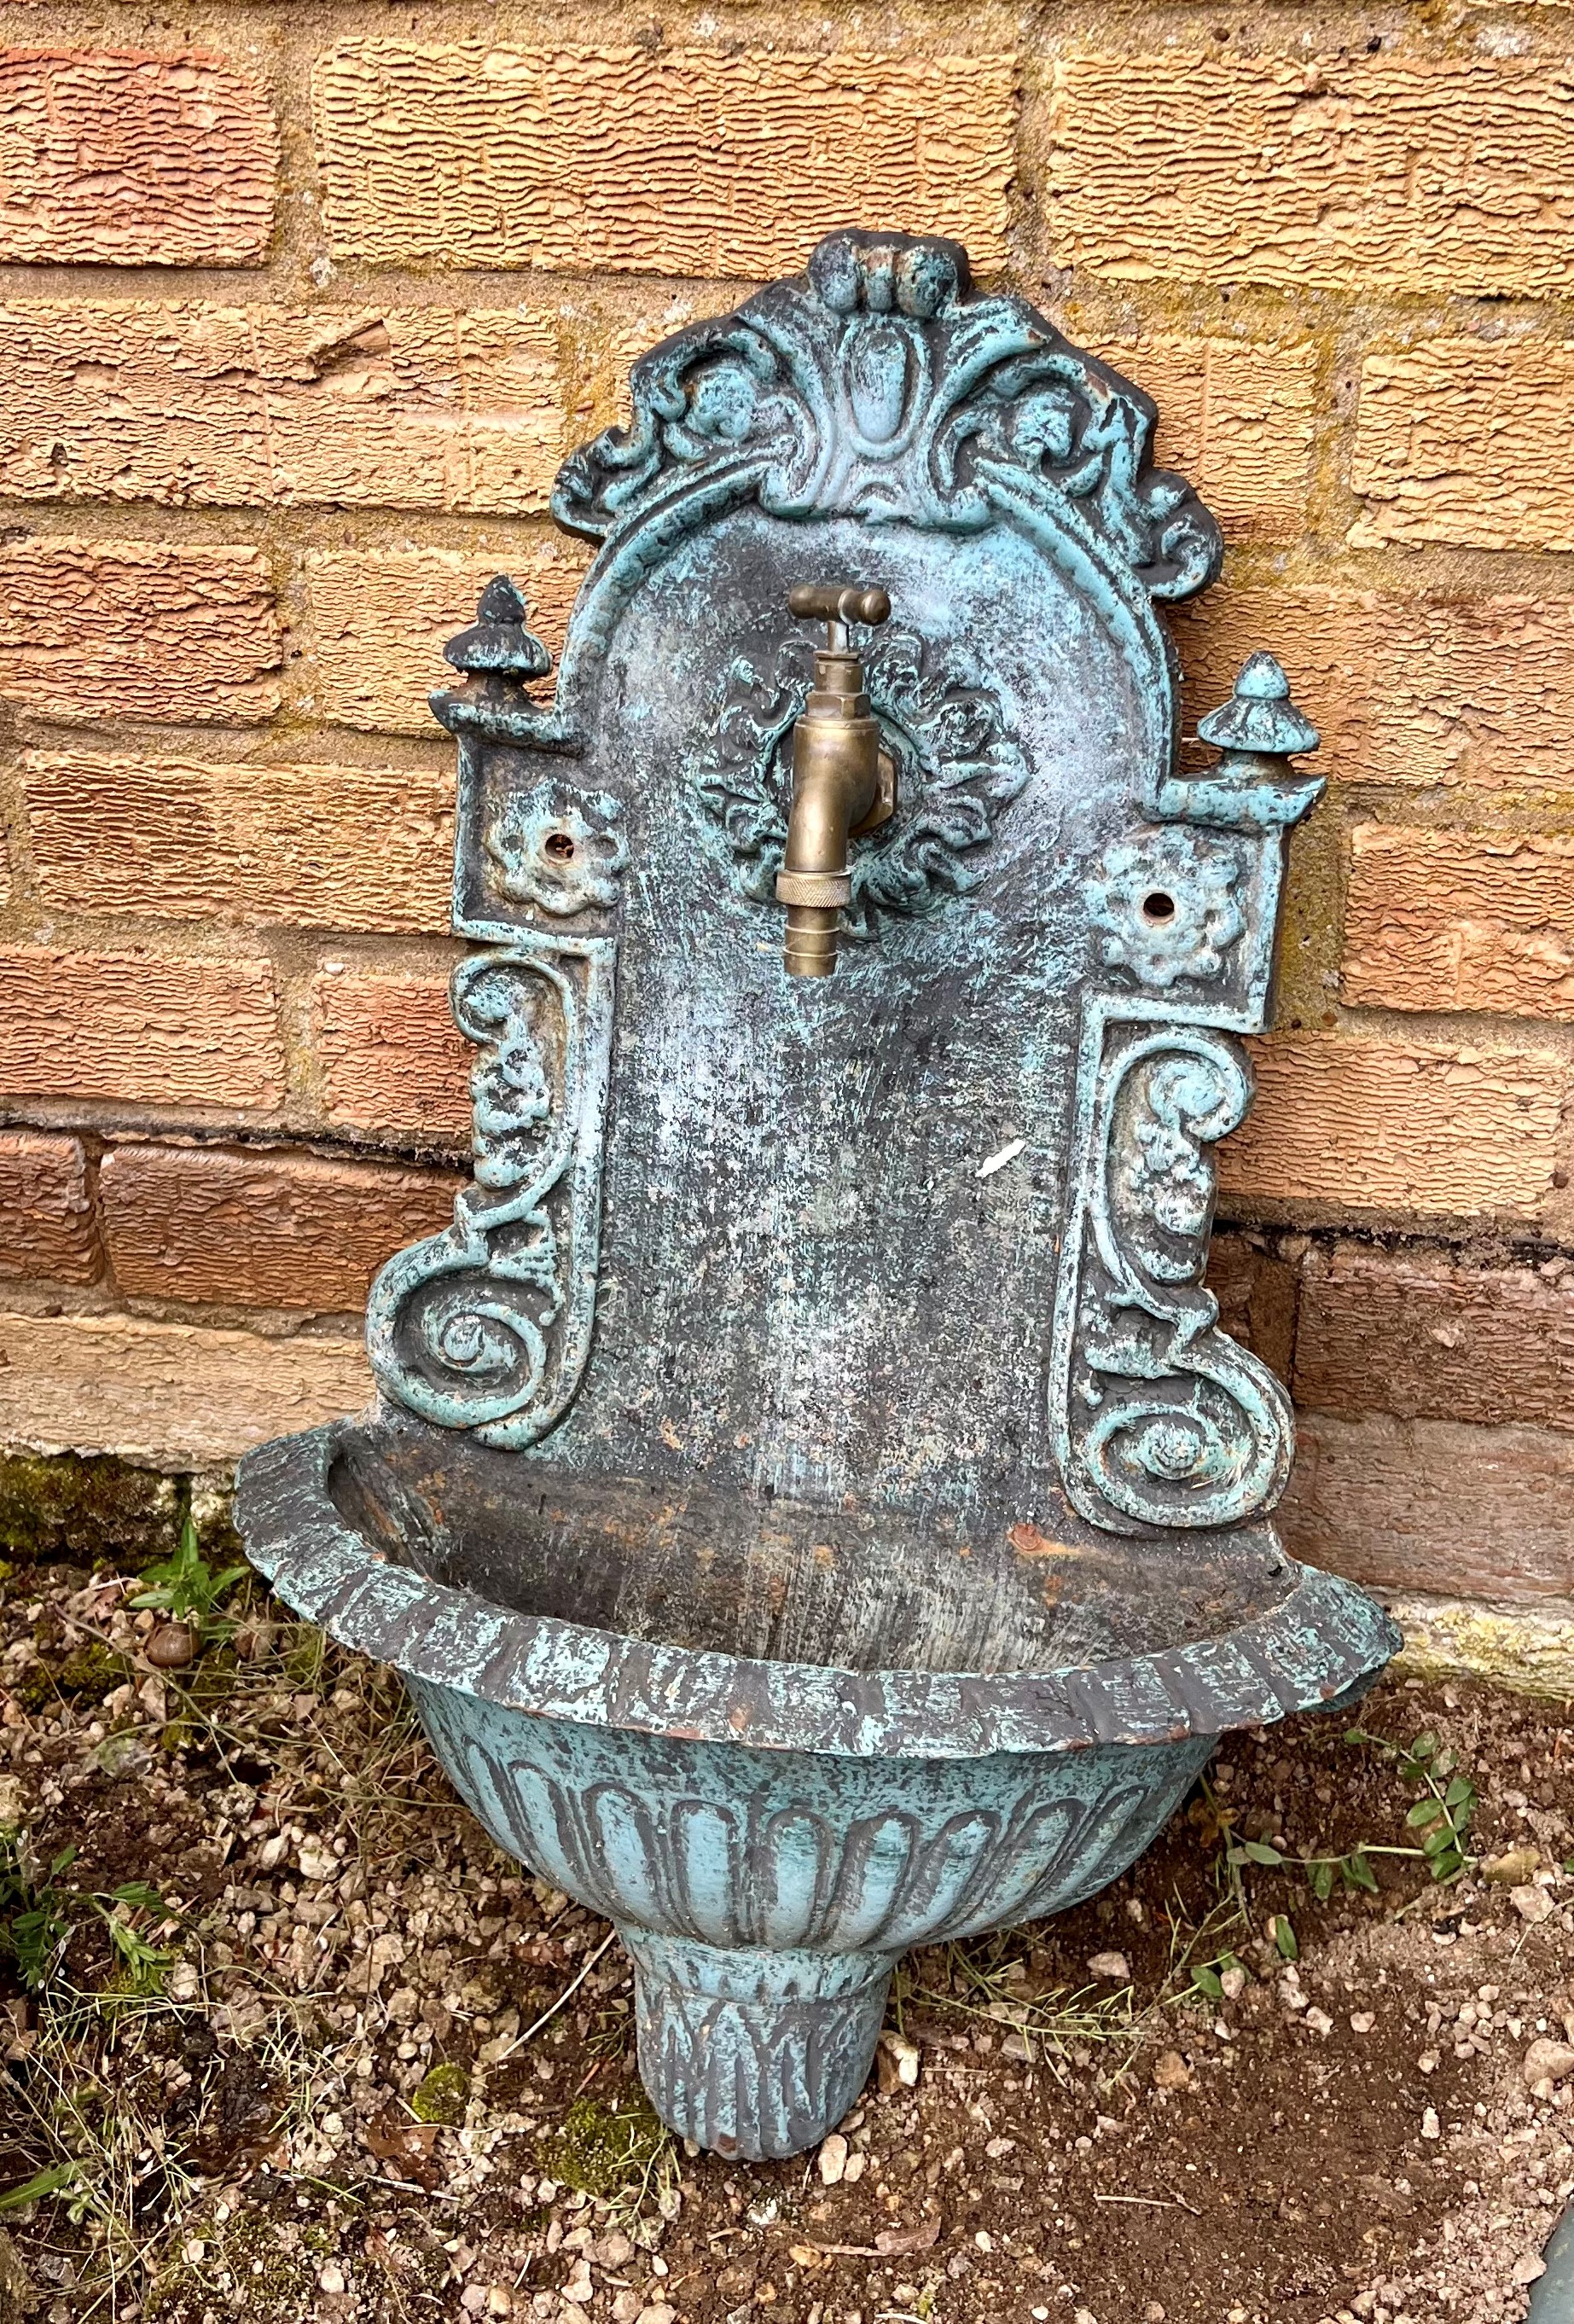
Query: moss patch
443, 2095
606, 2149
87, 1512
91, 1671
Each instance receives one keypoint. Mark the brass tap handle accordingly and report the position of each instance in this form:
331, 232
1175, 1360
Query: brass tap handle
828, 601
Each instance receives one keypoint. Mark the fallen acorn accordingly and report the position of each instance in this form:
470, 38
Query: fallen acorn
173, 1646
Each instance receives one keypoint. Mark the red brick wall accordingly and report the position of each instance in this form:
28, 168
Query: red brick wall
300, 308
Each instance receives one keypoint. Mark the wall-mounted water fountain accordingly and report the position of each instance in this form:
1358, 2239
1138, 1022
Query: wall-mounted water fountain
809, 1496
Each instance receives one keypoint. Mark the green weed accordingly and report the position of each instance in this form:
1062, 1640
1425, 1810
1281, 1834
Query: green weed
185, 1588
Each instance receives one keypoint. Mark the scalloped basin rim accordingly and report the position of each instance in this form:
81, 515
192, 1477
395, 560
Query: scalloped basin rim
1325, 1640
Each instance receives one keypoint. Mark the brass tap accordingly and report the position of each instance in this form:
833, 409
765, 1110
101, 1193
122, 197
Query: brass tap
844, 783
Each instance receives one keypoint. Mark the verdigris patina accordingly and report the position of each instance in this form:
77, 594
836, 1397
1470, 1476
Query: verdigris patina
809, 1494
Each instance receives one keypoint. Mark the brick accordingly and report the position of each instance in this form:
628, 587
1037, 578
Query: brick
140, 1025
1256, 1294
181, 1395
138, 630
1397, 1126
1405, 688
118, 158
1237, 418
1426, 1336
390, 1056
1462, 441
46, 1210
1433, 1505
334, 847
664, 161
379, 618
1365, 174
267, 407
260, 1230
1454, 919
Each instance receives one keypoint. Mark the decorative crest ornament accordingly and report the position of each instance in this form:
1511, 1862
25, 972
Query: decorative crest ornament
881, 387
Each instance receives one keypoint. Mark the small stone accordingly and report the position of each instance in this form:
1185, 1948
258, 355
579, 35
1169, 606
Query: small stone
316, 1862
656, 2313
999, 2147
1532, 1903
473, 2298
1171, 2072
1320, 2022
626, 2306
833, 2160
1512, 1869
1428, 2062
1152, 2313
896, 2063
1363, 2021
1233, 1980
857, 2164
1431, 2128
1547, 2061
1113, 1966
615, 2250
331, 2279
1529, 2268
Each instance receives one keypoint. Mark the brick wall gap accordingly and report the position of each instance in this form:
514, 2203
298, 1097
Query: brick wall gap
103, 1126
287, 739
1483, 813
1457, 1029
32, 1296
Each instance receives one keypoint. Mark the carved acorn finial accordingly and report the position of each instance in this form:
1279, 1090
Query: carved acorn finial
1260, 716
500, 639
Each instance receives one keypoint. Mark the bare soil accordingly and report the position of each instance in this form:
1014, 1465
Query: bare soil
311, 2079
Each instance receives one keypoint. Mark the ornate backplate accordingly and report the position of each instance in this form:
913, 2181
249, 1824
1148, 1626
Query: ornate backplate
928, 1237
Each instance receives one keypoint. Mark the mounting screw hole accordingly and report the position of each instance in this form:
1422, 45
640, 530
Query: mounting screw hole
1157, 906
560, 846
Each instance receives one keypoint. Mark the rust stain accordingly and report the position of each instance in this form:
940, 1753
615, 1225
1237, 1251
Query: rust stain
1029, 1541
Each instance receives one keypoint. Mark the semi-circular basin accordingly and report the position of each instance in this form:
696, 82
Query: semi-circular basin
769, 1831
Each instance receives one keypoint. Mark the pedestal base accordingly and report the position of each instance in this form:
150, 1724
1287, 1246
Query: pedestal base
751, 2053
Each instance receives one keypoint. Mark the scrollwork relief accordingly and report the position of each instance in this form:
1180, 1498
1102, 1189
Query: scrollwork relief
882, 387
958, 768
487, 1326
1161, 1419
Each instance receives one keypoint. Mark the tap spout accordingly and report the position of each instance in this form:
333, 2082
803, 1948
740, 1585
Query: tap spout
844, 783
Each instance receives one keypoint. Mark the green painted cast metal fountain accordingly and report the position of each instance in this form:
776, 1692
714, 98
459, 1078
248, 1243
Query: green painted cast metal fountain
808, 1493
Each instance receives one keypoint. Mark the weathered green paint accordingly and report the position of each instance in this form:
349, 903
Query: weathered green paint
811, 1497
